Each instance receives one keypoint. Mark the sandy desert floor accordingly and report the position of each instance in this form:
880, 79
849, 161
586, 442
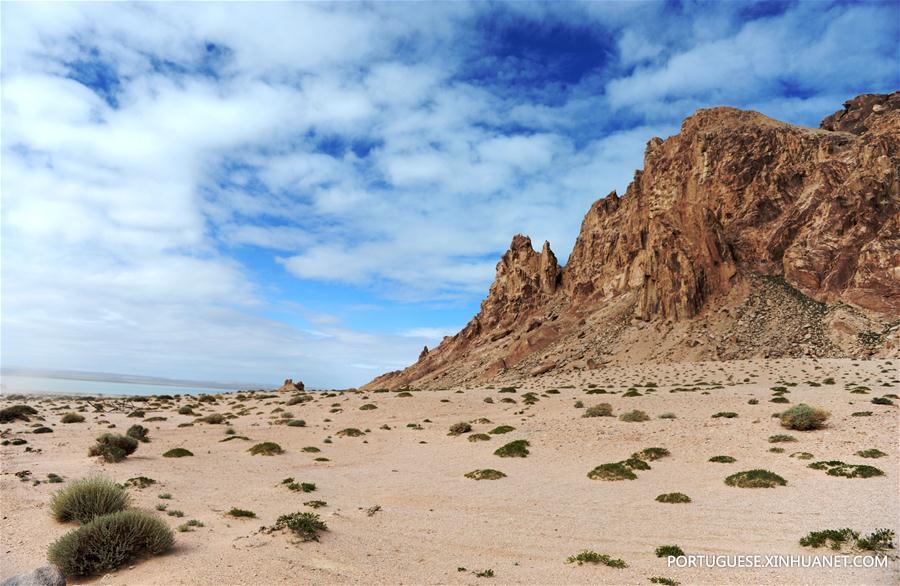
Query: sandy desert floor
433, 521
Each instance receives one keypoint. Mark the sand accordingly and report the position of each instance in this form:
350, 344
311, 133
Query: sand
433, 521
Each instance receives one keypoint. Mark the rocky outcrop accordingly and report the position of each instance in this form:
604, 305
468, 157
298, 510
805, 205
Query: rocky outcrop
671, 268
291, 386
44, 576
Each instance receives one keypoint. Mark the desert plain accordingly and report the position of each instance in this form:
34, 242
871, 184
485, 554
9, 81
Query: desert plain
399, 508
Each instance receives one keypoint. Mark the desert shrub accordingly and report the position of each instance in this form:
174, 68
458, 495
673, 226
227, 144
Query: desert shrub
479, 437
14, 412
635, 416
350, 432
266, 449
305, 525
600, 410
137, 413
140, 482
774, 439
753, 402
177, 453
460, 428
664, 551
109, 542
485, 474
113, 447
213, 418
236, 512
72, 418
83, 500
514, 449
833, 538
42, 429
861, 414
725, 414
579, 404
673, 498
723, 459
612, 471
779, 400
316, 504
879, 540
872, 453
838, 468
296, 423
668, 416
802, 455
636, 464
368, 407
138, 432
756, 478
186, 410
882, 401
651, 454
592, 557
404, 394
664, 581
804, 418
502, 429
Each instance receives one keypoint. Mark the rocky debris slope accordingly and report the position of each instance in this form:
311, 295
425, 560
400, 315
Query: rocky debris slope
742, 236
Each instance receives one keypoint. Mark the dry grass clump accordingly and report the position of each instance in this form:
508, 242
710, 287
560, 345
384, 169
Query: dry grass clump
83, 500
460, 428
635, 416
600, 410
804, 418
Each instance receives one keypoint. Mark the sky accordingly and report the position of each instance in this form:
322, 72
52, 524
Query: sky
256, 191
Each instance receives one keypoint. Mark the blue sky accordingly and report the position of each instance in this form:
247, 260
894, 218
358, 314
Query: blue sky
252, 191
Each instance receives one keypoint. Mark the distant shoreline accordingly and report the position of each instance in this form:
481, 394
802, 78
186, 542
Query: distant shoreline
114, 378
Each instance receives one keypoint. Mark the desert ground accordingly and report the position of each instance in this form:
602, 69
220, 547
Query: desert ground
400, 509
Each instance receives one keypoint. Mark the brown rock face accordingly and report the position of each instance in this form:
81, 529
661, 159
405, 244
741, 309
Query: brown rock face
290, 385
734, 228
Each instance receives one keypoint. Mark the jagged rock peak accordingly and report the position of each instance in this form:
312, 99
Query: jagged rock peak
863, 113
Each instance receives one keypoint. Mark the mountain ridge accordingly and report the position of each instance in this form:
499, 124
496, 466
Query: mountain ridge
742, 236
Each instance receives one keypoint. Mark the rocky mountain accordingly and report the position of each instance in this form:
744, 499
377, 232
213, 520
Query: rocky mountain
741, 237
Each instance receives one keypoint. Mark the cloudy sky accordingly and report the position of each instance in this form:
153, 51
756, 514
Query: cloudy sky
255, 191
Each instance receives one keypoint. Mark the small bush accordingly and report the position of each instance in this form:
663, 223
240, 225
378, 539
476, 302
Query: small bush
186, 410
755, 479
838, 468
612, 471
779, 400
296, 423
177, 453
485, 474
601, 410
833, 538
502, 429
460, 428
723, 459
664, 551
635, 416
266, 449
873, 453
636, 464
213, 419
673, 497
774, 439
138, 432
725, 414
14, 412
651, 454
802, 455
113, 447
42, 429
350, 432
804, 418
882, 401
140, 482
236, 512
514, 449
137, 413
305, 525
592, 557
83, 500
879, 540
72, 418
479, 437
109, 542
316, 504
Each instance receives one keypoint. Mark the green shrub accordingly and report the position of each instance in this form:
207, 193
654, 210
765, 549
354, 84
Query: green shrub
673, 497
460, 428
879, 540
83, 500
236, 512
138, 432
592, 557
651, 454
872, 453
779, 400
502, 429
72, 418
305, 525
113, 447
882, 401
316, 504
756, 478
266, 449
723, 459
14, 412
485, 474
109, 542
140, 482
177, 453
802, 455
664, 551
296, 423
833, 538
838, 468
636, 464
774, 439
514, 449
725, 414
350, 432
804, 418
479, 437
612, 471
600, 410
635, 416
861, 414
